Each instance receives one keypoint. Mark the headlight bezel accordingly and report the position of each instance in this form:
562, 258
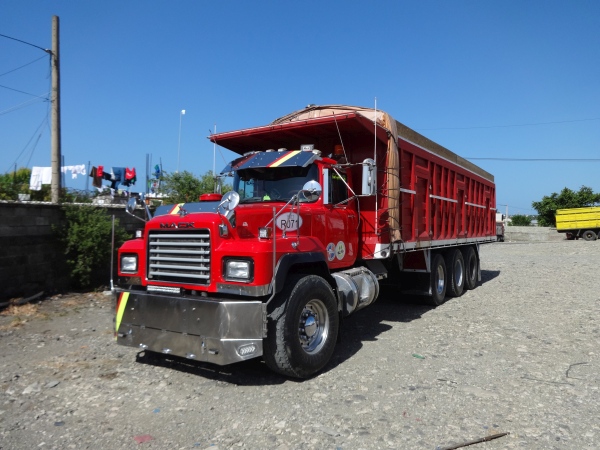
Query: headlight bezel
129, 263
239, 273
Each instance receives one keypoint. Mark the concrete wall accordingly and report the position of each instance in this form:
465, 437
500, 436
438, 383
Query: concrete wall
532, 234
31, 258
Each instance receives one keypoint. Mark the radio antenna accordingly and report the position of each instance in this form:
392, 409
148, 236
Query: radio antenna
340, 135
375, 142
215, 154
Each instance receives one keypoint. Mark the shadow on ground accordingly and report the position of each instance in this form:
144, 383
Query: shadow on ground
366, 325
390, 309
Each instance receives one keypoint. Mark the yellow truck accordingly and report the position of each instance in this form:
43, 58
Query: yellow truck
579, 222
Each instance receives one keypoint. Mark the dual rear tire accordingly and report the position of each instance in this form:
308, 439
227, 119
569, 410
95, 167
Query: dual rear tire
452, 272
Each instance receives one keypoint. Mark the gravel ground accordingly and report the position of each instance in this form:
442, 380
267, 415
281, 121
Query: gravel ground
517, 355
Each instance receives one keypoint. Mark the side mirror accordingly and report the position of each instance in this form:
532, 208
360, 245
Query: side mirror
311, 191
369, 177
228, 203
131, 205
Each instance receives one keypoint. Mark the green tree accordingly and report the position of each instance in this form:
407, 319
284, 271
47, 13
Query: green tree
14, 183
520, 220
87, 241
567, 198
184, 187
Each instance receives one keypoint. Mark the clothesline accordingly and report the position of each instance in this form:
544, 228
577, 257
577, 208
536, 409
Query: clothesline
116, 176
43, 175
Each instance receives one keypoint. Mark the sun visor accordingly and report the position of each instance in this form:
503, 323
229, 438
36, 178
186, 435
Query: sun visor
350, 125
294, 158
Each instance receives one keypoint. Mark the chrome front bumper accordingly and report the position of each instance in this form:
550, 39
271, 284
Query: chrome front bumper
204, 329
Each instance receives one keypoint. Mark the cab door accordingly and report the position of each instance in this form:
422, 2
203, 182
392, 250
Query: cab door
341, 219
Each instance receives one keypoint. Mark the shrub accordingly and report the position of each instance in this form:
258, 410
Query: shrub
87, 241
520, 220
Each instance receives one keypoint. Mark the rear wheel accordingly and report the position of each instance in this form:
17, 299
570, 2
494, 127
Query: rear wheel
437, 280
471, 268
455, 266
303, 327
589, 235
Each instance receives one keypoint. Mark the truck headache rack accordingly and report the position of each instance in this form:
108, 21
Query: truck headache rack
179, 257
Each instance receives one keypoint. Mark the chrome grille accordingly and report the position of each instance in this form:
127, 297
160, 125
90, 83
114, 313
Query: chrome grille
179, 256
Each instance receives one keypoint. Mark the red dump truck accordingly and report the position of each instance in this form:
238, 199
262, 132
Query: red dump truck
329, 203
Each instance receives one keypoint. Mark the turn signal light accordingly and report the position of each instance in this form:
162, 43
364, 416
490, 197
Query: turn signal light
265, 232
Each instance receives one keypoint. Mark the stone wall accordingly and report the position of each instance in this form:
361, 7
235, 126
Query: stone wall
31, 258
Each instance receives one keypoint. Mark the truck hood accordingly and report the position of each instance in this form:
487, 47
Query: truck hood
248, 218
181, 208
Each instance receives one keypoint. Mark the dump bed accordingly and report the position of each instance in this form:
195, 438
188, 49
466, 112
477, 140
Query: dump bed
578, 219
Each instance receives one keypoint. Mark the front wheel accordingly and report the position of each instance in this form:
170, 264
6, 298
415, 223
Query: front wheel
303, 327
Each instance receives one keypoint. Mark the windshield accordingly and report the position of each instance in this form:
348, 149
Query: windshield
272, 184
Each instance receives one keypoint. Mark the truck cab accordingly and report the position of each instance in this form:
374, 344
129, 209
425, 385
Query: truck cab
291, 214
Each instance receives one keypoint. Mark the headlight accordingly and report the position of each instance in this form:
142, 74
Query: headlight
236, 270
129, 263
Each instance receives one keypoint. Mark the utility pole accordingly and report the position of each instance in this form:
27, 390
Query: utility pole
55, 106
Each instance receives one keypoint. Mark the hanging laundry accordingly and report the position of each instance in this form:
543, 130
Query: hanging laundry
78, 169
97, 180
118, 175
130, 177
39, 176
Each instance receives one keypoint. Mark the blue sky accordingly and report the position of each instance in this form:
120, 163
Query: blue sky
486, 79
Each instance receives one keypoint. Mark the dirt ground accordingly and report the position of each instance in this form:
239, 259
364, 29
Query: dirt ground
517, 355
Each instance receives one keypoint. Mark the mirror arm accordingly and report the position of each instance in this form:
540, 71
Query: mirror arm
282, 208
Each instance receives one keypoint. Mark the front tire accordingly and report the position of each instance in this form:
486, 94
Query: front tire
303, 327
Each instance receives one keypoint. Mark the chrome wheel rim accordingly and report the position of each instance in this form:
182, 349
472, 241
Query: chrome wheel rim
440, 282
458, 273
313, 327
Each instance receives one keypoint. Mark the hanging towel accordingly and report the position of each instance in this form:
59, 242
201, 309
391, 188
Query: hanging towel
39, 176
97, 181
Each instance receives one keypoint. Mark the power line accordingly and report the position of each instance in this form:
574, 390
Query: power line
44, 121
25, 103
16, 90
509, 126
24, 65
27, 43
